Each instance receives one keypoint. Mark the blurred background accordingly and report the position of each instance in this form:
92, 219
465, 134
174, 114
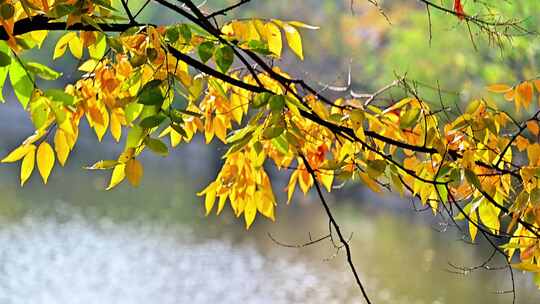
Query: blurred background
73, 242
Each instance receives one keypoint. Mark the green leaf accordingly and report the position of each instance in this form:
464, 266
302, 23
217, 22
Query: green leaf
5, 59
294, 102
39, 111
261, 99
3, 69
157, 146
473, 106
3, 76
61, 10
205, 51
152, 121
99, 49
90, 21
272, 132
172, 33
104, 4
132, 111
238, 135
190, 113
472, 178
185, 32
150, 94
375, 167
43, 71
281, 144
7, 10
258, 46
176, 116
137, 60
134, 137
115, 43
224, 58
237, 145
60, 96
443, 192
277, 103
179, 130
409, 118
21, 82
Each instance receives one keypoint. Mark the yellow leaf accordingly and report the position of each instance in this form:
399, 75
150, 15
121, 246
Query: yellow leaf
134, 172
62, 44
220, 130
359, 132
116, 126
101, 127
499, 88
250, 211
370, 182
45, 160
265, 205
327, 178
221, 203
209, 131
34, 137
103, 165
526, 267
89, 65
292, 185
27, 165
305, 181
275, 43
293, 39
76, 47
210, 198
473, 229
176, 138
301, 24
489, 215
17, 154
39, 37
61, 146
117, 176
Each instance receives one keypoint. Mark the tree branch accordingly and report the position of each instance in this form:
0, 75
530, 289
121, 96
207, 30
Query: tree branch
227, 9
42, 22
342, 239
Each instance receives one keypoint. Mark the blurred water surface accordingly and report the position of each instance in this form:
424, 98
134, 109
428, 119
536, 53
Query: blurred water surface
70, 242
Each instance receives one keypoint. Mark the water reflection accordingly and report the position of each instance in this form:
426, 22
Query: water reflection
76, 260
67, 256
71, 242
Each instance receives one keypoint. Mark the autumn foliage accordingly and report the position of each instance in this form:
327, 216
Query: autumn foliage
154, 87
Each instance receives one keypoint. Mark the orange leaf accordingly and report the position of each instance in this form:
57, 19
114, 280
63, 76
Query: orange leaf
525, 93
499, 88
533, 127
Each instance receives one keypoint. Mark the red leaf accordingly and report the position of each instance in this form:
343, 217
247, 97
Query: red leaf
458, 8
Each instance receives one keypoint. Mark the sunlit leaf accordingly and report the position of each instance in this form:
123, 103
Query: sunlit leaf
45, 160
27, 165
118, 175
134, 172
